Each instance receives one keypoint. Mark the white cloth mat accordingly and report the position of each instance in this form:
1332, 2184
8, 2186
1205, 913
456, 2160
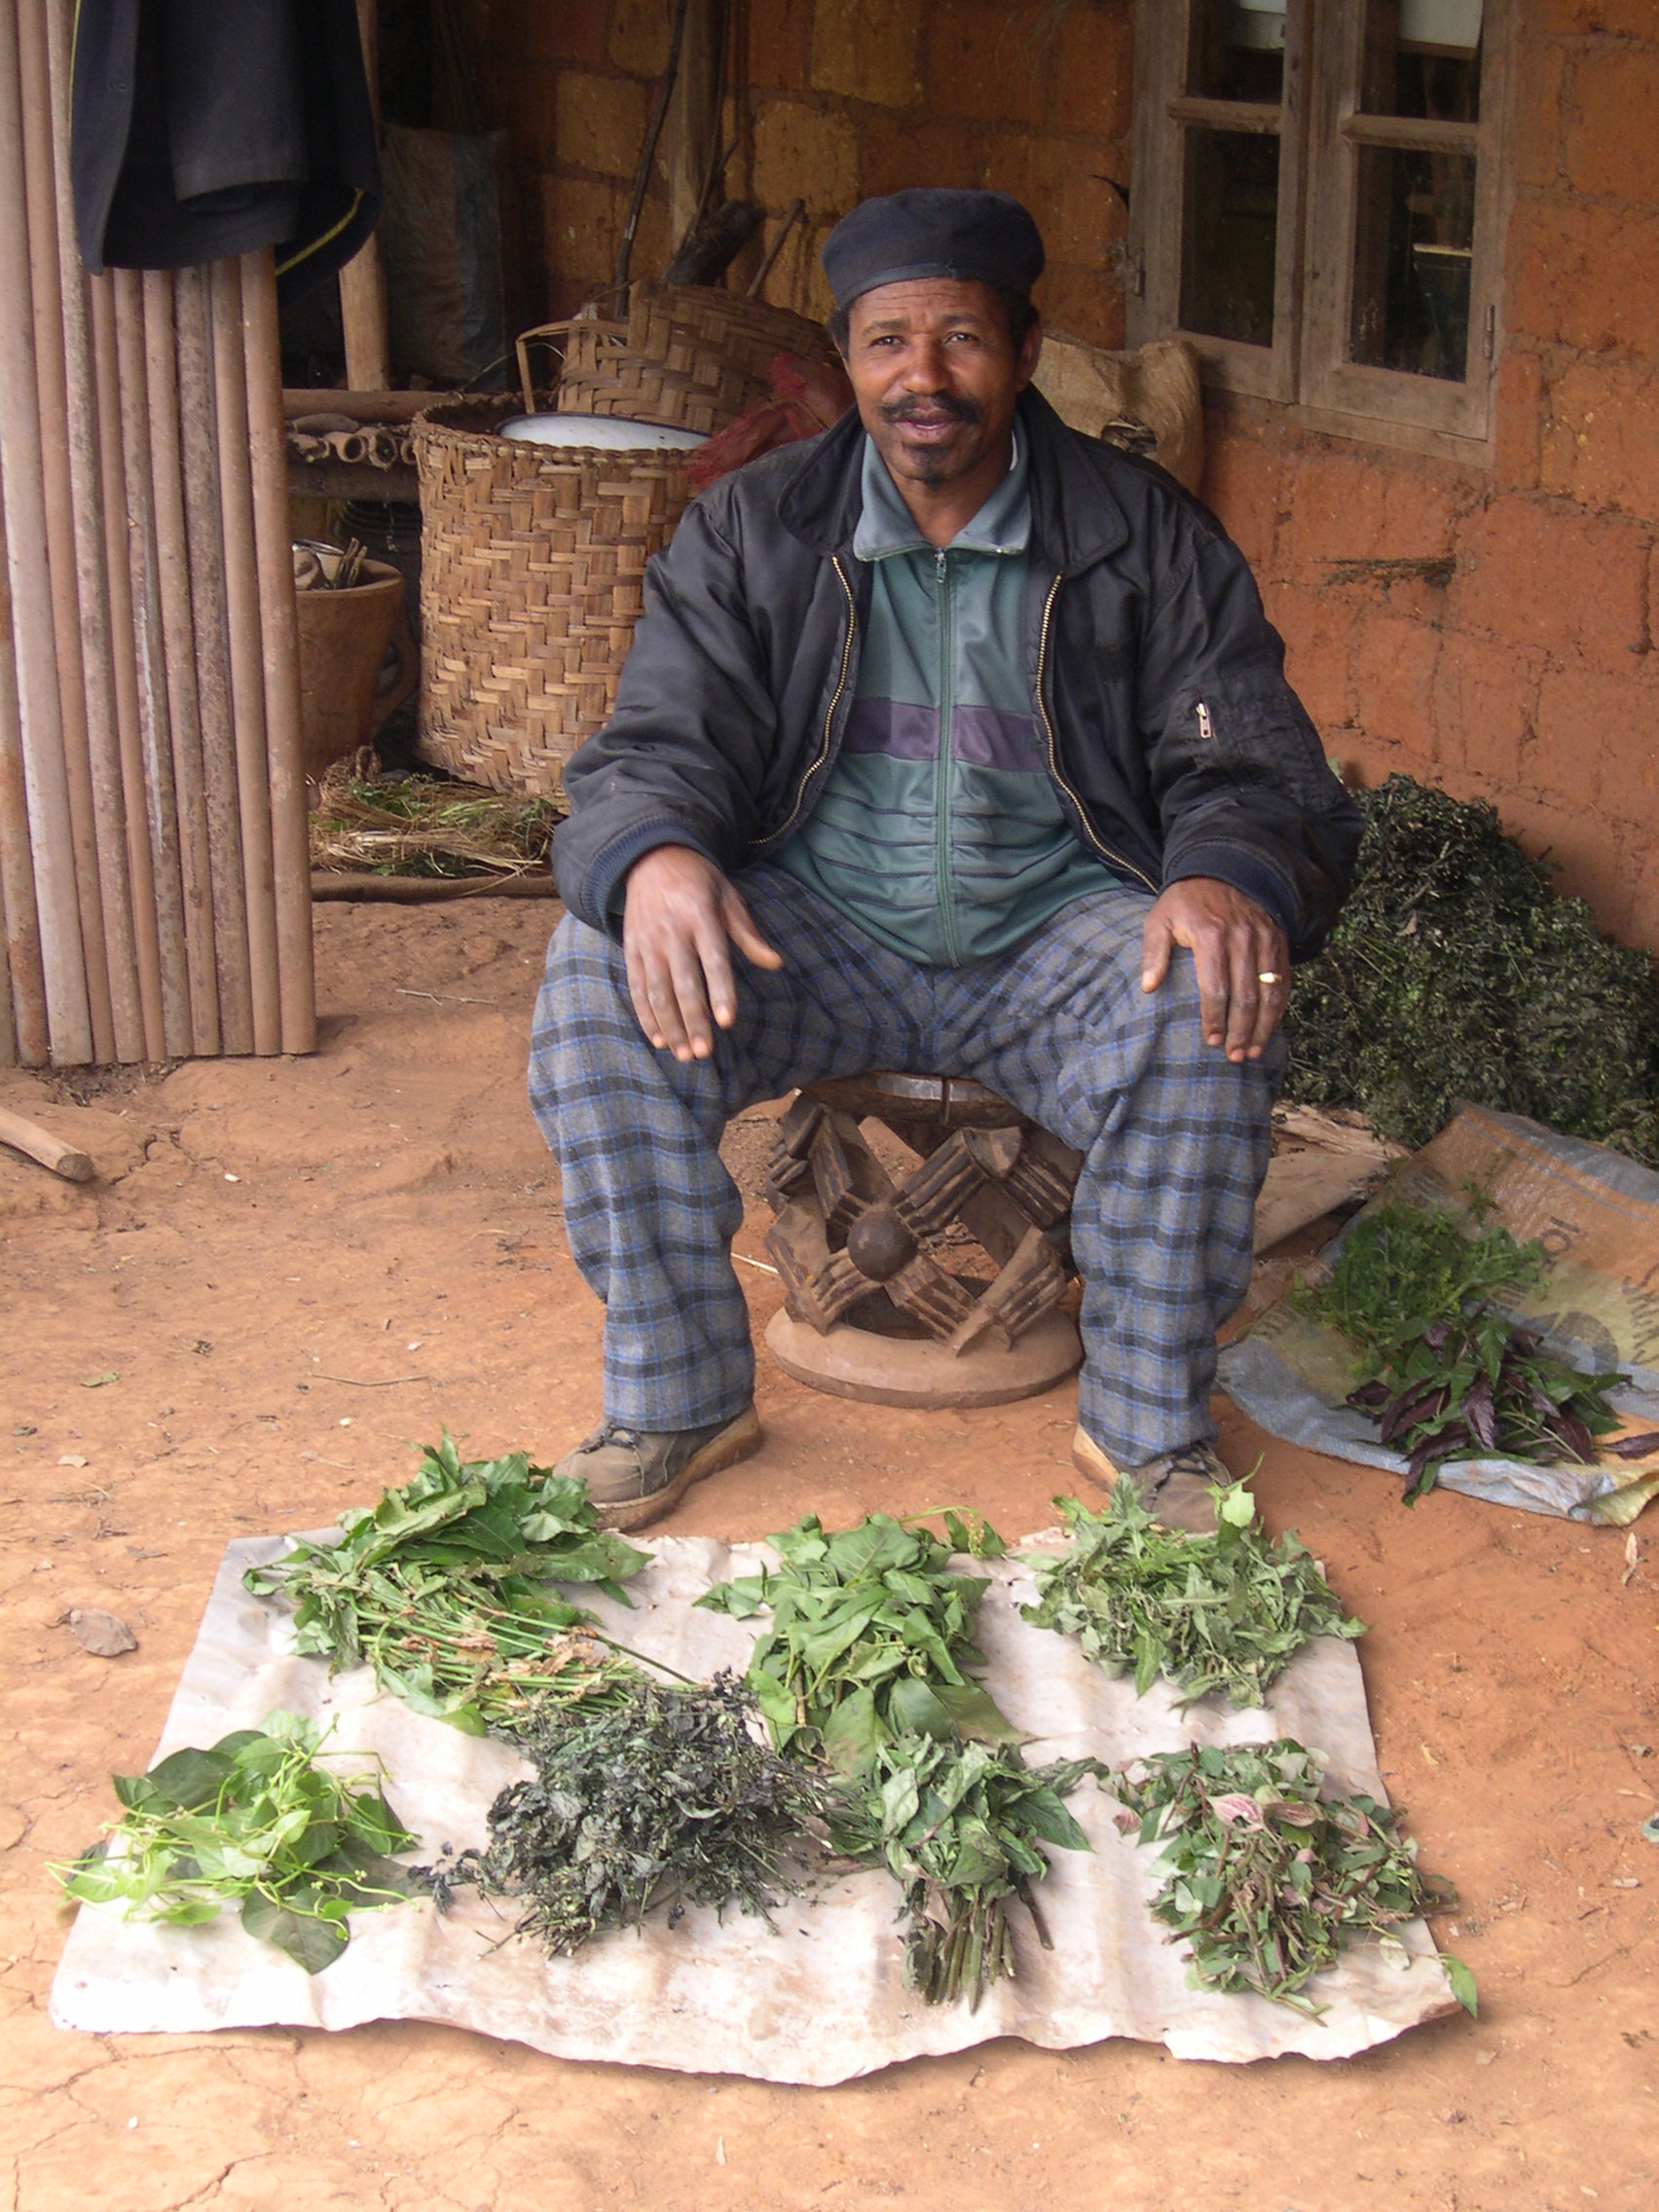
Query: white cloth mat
819, 2000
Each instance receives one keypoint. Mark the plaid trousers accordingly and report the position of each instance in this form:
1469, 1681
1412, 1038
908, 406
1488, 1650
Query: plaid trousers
1174, 1138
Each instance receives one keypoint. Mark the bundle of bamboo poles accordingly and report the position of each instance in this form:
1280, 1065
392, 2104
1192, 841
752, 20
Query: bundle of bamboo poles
153, 871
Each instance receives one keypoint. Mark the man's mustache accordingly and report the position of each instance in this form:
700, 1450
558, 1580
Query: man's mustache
905, 410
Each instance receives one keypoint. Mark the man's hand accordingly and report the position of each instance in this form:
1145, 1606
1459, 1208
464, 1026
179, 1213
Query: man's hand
677, 914
1237, 948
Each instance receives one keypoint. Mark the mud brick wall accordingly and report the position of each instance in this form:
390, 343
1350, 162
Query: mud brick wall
1517, 666
833, 101
1528, 676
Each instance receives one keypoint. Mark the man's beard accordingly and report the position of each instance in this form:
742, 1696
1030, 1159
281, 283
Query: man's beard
928, 467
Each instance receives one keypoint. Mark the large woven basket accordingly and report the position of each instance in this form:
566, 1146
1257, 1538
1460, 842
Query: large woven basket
688, 356
531, 560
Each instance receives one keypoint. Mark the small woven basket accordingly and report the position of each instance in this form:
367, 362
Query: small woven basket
688, 356
531, 561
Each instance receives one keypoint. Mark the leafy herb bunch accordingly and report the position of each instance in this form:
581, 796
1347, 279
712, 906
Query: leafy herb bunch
1456, 972
259, 1821
958, 1827
871, 1638
671, 1797
1448, 1377
1269, 1880
1483, 1385
1222, 1611
448, 1589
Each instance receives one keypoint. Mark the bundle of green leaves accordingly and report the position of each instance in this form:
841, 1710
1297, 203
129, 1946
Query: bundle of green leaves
1222, 1611
1268, 1878
871, 1638
1483, 1385
1446, 1375
259, 1821
1456, 973
668, 1798
449, 1588
959, 1826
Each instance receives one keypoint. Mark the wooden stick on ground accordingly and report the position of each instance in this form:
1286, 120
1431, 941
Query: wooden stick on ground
154, 724
52, 402
246, 651
124, 663
206, 545
75, 1167
178, 648
280, 630
50, 827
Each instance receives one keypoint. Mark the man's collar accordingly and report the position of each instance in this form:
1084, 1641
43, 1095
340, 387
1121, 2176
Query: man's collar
1075, 519
886, 525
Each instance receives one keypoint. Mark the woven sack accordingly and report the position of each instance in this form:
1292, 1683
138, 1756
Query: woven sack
1103, 394
531, 561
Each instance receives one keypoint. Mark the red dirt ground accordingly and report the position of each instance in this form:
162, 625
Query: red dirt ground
185, 1358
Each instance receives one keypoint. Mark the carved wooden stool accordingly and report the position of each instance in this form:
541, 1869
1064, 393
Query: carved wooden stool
871, 1309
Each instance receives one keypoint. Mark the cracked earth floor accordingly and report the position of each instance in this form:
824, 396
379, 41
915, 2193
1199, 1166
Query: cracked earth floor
211, 1339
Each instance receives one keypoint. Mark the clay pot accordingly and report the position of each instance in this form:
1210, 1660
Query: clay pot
344, 636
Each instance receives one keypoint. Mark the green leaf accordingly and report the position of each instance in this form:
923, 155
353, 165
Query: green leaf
184, 1780
1236, 1507
915, 1709
974, 1713
313, 1942
1462, 1983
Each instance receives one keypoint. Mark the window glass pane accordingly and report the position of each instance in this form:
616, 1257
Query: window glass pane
1415, 227
1230, 235
1238, 49
1422, 57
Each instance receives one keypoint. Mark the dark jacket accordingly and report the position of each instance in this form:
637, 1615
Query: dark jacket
205, 128
1174, 741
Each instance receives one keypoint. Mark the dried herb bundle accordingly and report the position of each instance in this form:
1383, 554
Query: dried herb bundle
672, 1797
427, 826
1222, 1611
1449, 1377
959, 1829
871, 1638
1456, 973
258, 1821
1270, 1880
447, 1588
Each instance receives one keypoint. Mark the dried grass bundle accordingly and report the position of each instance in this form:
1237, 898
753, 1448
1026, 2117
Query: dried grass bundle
426, 826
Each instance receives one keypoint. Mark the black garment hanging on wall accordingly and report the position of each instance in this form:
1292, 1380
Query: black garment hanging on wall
205, 128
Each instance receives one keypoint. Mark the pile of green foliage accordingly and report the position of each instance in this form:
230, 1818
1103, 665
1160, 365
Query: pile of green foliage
869, 1663
958, 1827
1268, 1878
669, 1797
1455, 973
871, 1638
258, 1822
448, 1589
1448, 1377
1224, 1611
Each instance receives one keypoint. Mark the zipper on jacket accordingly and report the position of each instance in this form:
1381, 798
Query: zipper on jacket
1101, 847
944, 888
823, 753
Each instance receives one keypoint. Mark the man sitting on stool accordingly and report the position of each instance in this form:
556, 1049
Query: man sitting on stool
970, 735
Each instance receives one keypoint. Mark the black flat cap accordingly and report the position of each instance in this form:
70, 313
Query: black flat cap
986, 238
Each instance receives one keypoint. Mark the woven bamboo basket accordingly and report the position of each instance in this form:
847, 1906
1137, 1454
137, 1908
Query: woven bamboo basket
688, 356
531, 561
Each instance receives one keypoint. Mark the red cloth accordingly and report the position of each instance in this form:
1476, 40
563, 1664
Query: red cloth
806, 398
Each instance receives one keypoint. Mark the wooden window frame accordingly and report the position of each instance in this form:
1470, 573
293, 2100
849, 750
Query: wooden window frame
1308, 373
